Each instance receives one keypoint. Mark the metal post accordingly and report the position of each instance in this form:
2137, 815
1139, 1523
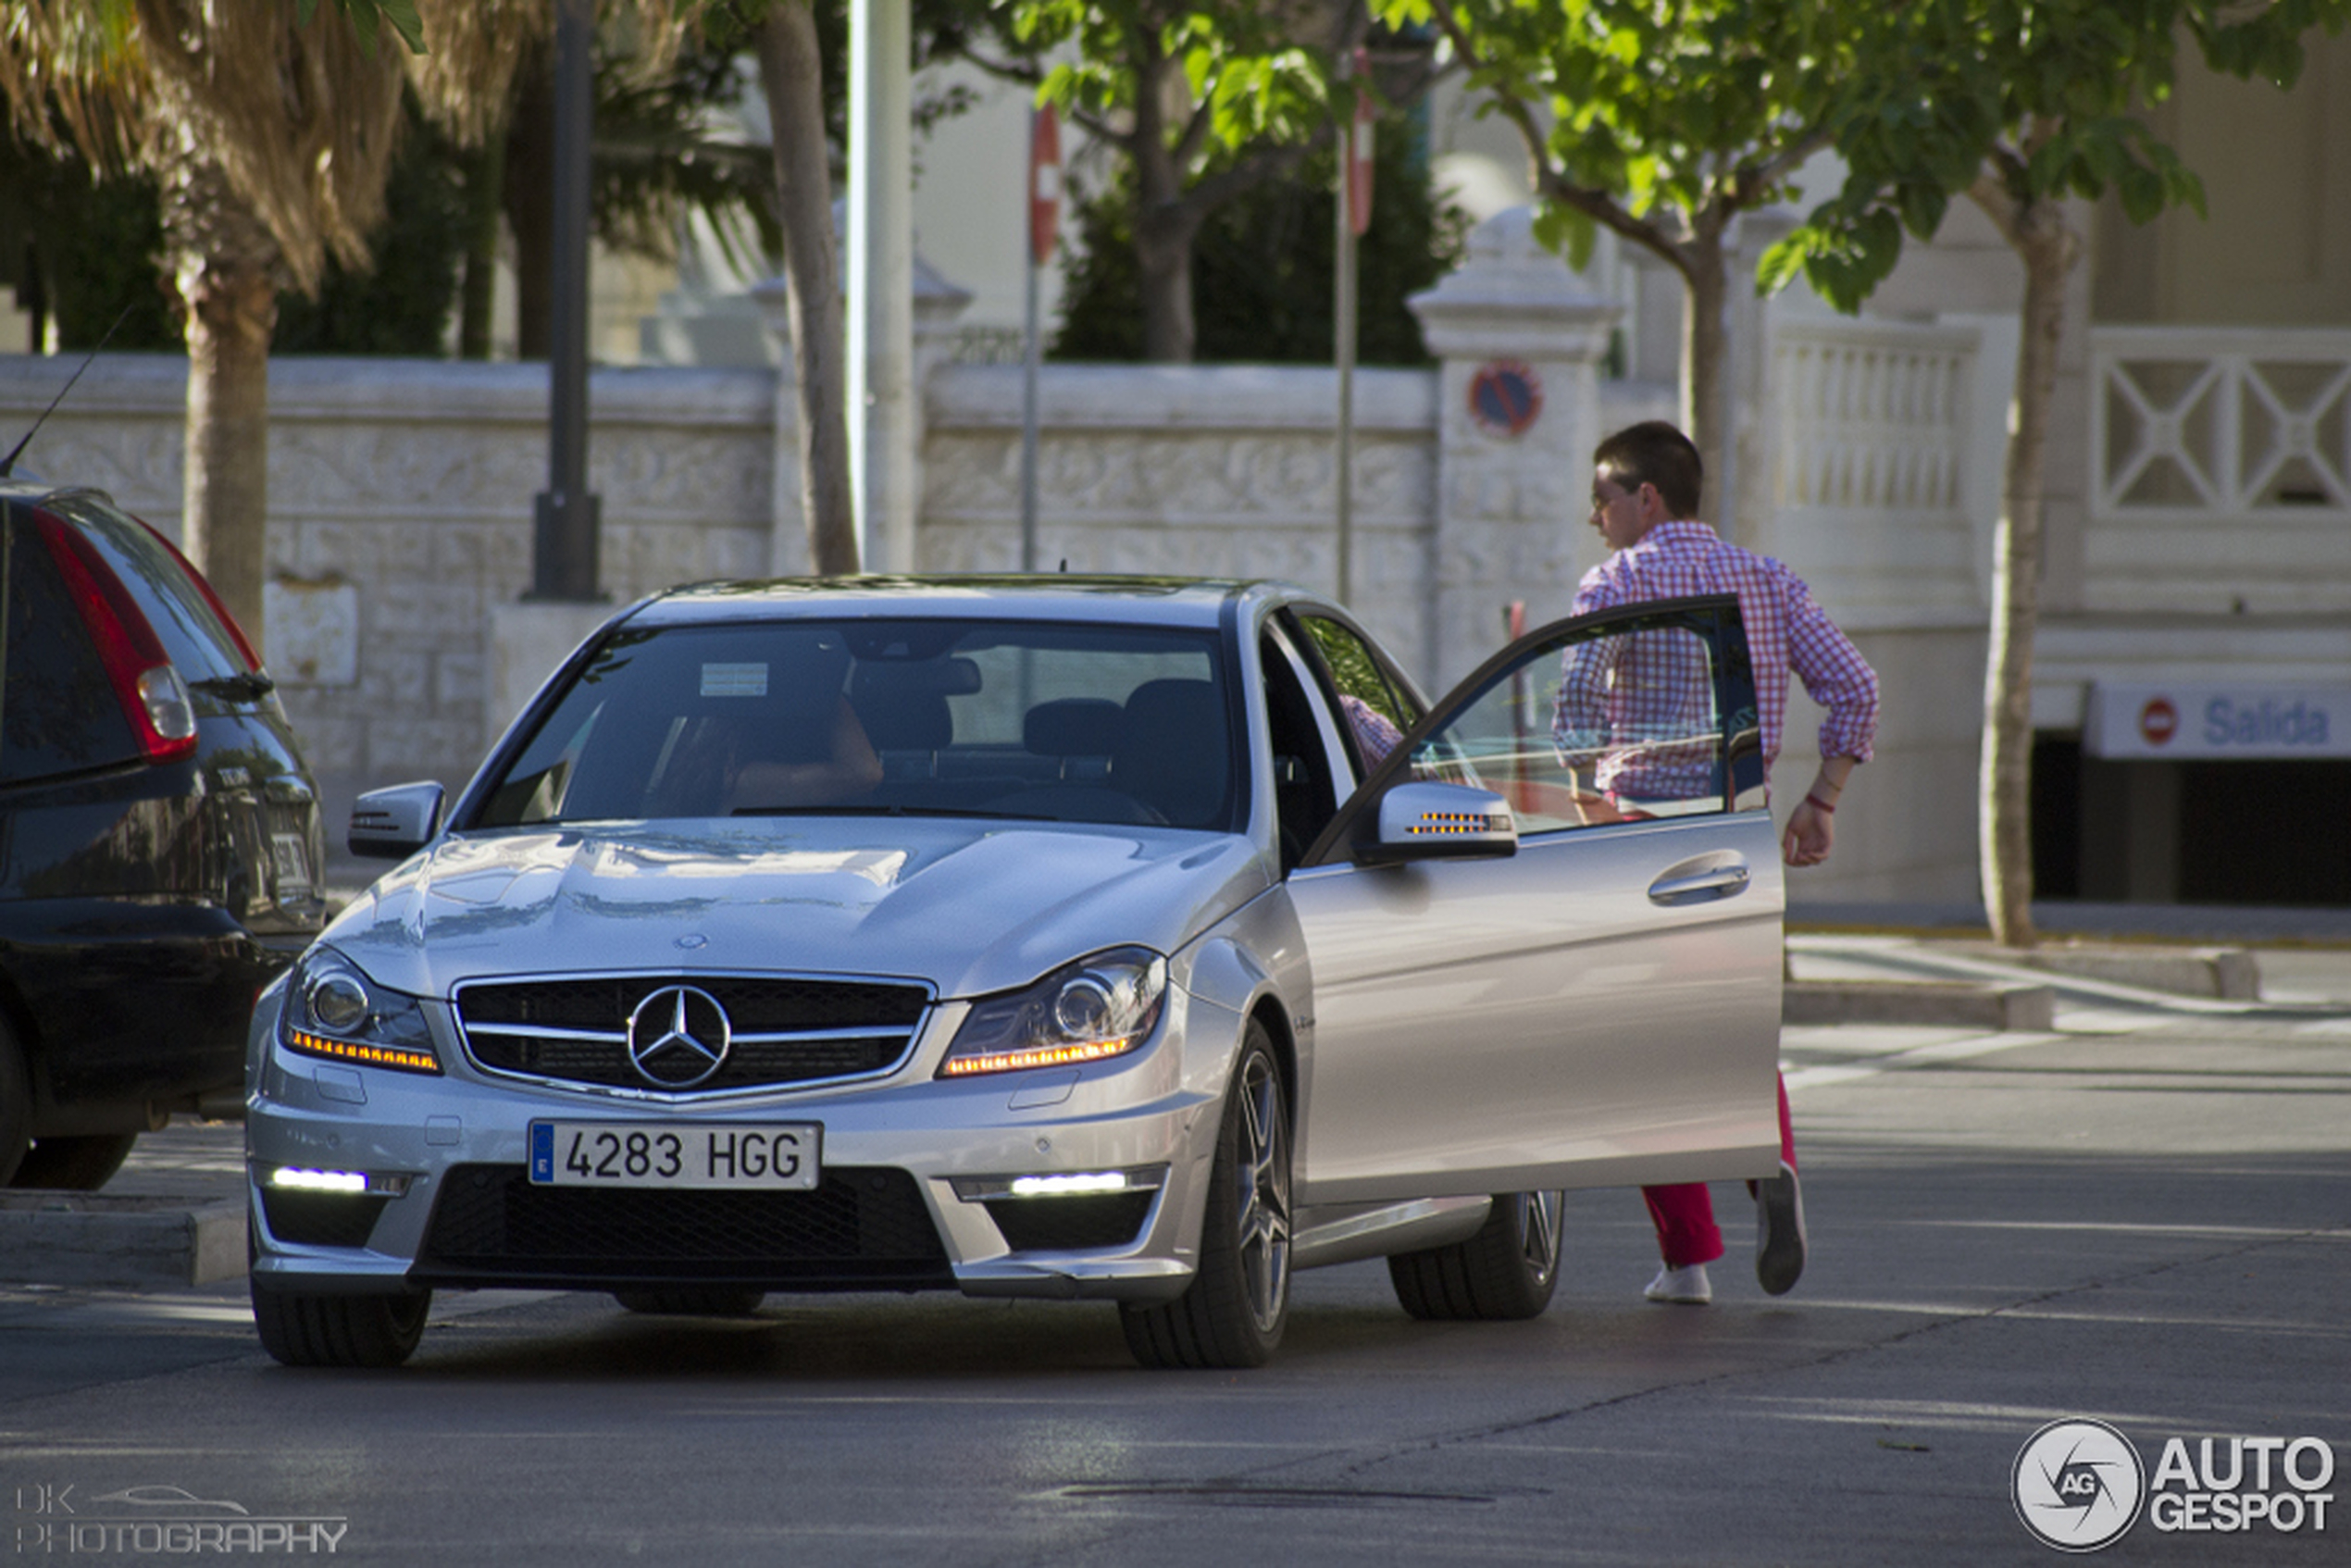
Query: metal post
1343, 331
1030, 355
563, 564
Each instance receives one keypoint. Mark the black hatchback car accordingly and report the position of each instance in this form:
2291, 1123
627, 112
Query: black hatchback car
160, 837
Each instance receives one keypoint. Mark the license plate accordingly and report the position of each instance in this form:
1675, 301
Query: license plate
776, 1157
293, 866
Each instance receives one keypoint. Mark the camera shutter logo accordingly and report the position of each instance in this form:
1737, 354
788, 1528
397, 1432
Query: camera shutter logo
677, 1037
2078, 1484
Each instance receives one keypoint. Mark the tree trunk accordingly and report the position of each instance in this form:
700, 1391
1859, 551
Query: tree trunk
788, 73
485, 184
527, 194
2049, 248
1164, 227
225, 267
1705, 342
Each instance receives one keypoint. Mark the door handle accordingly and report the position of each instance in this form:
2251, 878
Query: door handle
1720, 882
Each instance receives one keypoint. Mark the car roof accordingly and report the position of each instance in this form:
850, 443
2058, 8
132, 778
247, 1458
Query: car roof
1058, 596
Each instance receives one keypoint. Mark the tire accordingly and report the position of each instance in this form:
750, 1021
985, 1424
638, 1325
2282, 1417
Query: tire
691, 1301
76, 1164
1233, 1313
15, 1107
362, 1331
1505, 1272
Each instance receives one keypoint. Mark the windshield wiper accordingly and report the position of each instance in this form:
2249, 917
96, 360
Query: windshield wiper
243, 687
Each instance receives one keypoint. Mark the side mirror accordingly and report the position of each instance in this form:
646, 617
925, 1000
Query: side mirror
1432, 821
395, 824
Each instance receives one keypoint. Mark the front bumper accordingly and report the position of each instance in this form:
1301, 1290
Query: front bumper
915, 1196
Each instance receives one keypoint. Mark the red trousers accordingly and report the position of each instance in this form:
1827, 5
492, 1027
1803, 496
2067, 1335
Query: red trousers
1685, 1214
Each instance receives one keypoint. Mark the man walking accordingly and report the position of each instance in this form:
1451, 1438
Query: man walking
1646, 483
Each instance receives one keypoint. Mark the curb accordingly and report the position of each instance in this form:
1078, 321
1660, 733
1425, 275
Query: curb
1964, 1003
90, 1239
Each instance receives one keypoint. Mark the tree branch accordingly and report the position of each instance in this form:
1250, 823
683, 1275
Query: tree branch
1597, 205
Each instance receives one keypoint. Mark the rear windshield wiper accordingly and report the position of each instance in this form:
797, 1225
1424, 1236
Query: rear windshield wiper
243, 687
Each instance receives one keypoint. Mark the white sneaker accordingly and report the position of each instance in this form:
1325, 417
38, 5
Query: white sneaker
1779, 1232
1684, 1287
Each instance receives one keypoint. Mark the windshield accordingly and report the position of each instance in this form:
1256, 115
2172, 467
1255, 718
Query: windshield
933, 717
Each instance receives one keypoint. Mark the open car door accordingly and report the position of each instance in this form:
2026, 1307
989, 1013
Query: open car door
1545, 932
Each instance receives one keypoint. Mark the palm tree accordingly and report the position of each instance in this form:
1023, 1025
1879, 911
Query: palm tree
270, 136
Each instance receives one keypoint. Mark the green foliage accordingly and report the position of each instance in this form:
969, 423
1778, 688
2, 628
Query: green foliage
1263, 267
1665, 111
1257, 82
399, 305
85, 251
2044, 95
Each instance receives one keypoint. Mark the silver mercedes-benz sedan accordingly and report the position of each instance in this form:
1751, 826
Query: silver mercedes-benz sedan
1118, 939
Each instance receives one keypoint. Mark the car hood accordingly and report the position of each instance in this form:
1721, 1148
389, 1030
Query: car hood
968, 907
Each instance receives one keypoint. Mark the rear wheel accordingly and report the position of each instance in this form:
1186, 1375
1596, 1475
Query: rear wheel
691, 1301
1506, 1271
1233, 1312
370, 1331
79, 1164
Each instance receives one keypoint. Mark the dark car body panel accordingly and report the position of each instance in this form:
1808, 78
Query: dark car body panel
142, 904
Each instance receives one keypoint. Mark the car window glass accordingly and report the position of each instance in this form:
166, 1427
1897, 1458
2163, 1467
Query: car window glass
936, 717
1614, 726
191, 635
59, 713
1305, 794
1377, 712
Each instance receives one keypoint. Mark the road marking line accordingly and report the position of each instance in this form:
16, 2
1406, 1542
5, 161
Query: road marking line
1918, 1056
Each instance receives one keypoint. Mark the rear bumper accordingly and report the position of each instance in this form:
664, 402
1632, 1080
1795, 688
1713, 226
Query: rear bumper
135, 1005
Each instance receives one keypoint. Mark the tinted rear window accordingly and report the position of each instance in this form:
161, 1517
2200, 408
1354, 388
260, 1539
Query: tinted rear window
59, 713
191, 635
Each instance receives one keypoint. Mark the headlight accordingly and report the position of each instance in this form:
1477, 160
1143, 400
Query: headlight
336, 1012
1100, 1006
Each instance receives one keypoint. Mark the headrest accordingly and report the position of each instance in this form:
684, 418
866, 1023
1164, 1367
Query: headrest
1073, 726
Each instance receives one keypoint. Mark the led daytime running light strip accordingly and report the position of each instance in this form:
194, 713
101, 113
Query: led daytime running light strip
1038, 1056
402, 1057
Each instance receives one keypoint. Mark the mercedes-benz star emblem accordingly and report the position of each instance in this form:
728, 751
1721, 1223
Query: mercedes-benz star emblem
677, 1037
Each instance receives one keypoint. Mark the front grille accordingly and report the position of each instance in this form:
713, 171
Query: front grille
865, 1228
1081, 1223
322, 1219
785, 1031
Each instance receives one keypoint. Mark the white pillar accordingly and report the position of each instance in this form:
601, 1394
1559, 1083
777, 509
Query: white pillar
881, 259
1513, 472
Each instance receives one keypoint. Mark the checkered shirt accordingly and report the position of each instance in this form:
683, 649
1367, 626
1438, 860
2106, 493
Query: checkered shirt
1656, 686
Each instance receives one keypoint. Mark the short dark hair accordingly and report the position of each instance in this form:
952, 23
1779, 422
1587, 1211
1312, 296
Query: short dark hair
1654, 451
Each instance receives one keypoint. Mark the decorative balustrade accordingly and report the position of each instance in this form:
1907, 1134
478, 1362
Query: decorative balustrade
2220, 421
1868, 433
1871, 415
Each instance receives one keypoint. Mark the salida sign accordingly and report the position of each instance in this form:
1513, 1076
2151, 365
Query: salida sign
2216, 723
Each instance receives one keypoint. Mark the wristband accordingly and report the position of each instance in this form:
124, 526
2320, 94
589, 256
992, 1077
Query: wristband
1821, 804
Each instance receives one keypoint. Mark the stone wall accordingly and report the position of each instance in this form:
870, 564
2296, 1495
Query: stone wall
401, 500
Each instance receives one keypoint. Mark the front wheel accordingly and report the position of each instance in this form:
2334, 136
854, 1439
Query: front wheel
1506, 1272
1233, 1312
369, 1331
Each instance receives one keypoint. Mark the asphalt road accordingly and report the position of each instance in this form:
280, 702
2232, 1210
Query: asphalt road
2143, 1218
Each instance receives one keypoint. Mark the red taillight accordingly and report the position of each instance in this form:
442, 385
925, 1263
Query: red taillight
253, 660
154, 699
